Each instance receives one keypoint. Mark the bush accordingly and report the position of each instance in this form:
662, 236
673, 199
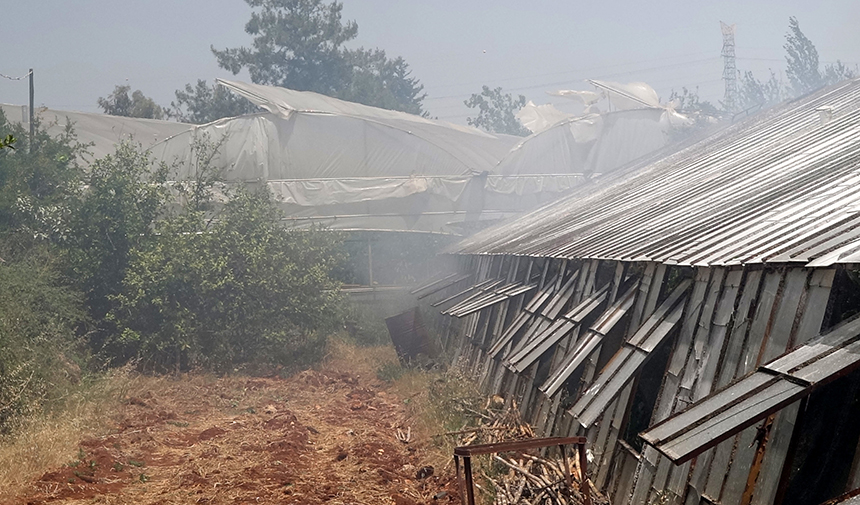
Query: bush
239, 290
38, 317
124, 197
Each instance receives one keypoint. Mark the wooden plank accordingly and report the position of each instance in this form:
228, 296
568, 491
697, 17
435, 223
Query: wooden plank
625, 477
737, 339
691, 316
698, 413
820, 284
761, 322
642, 295
720, 467
642, 488
620, 370
745, 413
586, 346
616, 421
555, 306
779, 336
837, 363
643, 332
602, 453
774, 457
653, 293
717, 339
607, 387
702, 331
620, 275
736, 479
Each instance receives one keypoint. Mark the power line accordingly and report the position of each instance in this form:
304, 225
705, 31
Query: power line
17, 78
603, 76
576, 70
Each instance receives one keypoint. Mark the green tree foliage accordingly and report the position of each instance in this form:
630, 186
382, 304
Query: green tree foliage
38, 188
299, 44
125, 196
497, 111
8, 142
238, 290
754, 93
38, 317
202, 104
119, 103
382, 82
689, 102
803, 70
802, 60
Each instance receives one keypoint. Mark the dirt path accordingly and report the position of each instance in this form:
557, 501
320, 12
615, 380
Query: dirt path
317, 437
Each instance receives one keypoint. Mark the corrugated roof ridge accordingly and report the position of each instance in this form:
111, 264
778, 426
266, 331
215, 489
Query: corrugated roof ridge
762, 149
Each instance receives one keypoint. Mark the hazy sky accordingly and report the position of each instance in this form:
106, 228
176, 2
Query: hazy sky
81, 49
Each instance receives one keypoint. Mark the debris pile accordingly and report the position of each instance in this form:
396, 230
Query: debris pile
536, 477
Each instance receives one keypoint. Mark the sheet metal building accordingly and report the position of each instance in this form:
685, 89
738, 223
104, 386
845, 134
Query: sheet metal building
692, 314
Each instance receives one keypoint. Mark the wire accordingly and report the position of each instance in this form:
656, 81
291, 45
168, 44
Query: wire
576, 70
572, 80
16, 78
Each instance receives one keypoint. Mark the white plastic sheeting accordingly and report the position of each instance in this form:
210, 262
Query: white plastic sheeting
590, 144
99, 131
538, 118
352, 166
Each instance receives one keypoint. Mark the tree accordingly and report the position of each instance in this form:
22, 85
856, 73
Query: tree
803, 69
382, 82
119, 103
8, 142
125, 196
237, 290
802, 60
299, 44
755, 93
38, 187
496, 111
203, 104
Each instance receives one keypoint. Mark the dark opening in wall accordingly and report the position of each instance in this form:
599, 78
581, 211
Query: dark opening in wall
675, 275
544, 365
612, 341
829, 432
844, 298
605, 274
646, 390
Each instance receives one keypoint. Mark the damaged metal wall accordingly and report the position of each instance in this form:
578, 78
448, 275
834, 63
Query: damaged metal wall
570, 354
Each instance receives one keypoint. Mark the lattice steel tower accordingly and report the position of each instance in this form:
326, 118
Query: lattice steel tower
730, 71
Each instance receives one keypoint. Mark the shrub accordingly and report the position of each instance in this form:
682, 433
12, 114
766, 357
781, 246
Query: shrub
241, 289
38, 317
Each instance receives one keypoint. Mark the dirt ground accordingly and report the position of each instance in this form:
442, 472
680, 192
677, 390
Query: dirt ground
317, 437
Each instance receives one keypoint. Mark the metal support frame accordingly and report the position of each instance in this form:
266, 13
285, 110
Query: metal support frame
466, 483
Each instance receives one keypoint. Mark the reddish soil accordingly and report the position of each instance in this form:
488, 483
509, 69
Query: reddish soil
317, 437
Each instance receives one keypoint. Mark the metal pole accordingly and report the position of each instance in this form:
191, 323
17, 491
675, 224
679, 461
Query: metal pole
583, 475
459, 478
32, 115
467, 473
370, 263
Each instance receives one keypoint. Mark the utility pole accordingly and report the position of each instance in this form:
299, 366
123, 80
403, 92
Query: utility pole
730, 70
32, 115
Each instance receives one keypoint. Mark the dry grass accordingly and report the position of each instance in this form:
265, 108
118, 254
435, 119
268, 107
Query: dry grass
342, 355
184, 409
50, 439
429, 395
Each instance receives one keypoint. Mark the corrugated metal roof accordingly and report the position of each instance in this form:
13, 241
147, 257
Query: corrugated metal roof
781, 186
